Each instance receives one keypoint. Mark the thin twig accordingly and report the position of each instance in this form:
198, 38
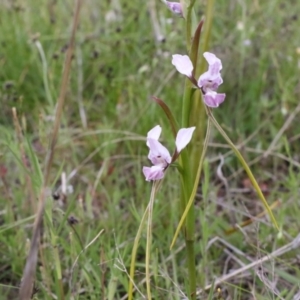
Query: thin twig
149, 238
31, 262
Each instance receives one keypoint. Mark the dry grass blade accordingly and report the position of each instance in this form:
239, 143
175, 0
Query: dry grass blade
31, 262
23, 155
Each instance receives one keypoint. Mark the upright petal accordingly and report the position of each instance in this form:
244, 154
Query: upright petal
153, 173
154, 133
183, 64
183, 137
158, 154
215, 64
213, 99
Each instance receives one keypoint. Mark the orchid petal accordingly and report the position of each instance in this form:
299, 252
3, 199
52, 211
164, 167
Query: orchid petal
158, 154
213, 99
154, 133
183, 137
209, 81
153, 173
183, 64
215, 64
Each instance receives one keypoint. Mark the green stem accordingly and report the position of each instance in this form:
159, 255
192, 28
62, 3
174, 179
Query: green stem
191, 268
148, 211
133, 255
187, 184
149, 237
187, 187
189, 230
189, 24
186, 104
245, 165
207, 30
192, 196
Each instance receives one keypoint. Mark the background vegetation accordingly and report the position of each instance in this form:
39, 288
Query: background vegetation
119, 62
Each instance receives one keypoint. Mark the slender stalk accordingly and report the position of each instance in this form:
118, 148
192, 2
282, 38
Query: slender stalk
192, 196
148, 211
186, 190
133, 254
245, 165
187, 182
193, 111
191, 268
188, 214
189, 24
149, 237
198, 114
207, 30
186, 104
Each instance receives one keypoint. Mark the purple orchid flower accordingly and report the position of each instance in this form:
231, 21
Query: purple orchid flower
208, 82
159, 154
174, 7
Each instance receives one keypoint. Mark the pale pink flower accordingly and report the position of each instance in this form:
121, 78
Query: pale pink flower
159, 154
208, 82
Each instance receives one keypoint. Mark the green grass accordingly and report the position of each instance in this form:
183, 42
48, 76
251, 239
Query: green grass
116, 68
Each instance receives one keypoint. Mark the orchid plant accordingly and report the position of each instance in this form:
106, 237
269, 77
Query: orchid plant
199, 103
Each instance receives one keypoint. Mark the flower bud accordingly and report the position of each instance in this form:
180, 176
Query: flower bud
174, 7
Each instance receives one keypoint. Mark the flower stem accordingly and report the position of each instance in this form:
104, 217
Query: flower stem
149, 237
187, 181
207, 31
192, 196
133, 254
148, 211
186, 104
190, 251
189, 230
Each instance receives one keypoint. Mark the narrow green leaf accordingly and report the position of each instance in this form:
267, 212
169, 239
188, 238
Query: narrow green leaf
246, 167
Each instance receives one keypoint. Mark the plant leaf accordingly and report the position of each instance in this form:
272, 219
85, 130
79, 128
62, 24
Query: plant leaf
168, 113
195, 45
